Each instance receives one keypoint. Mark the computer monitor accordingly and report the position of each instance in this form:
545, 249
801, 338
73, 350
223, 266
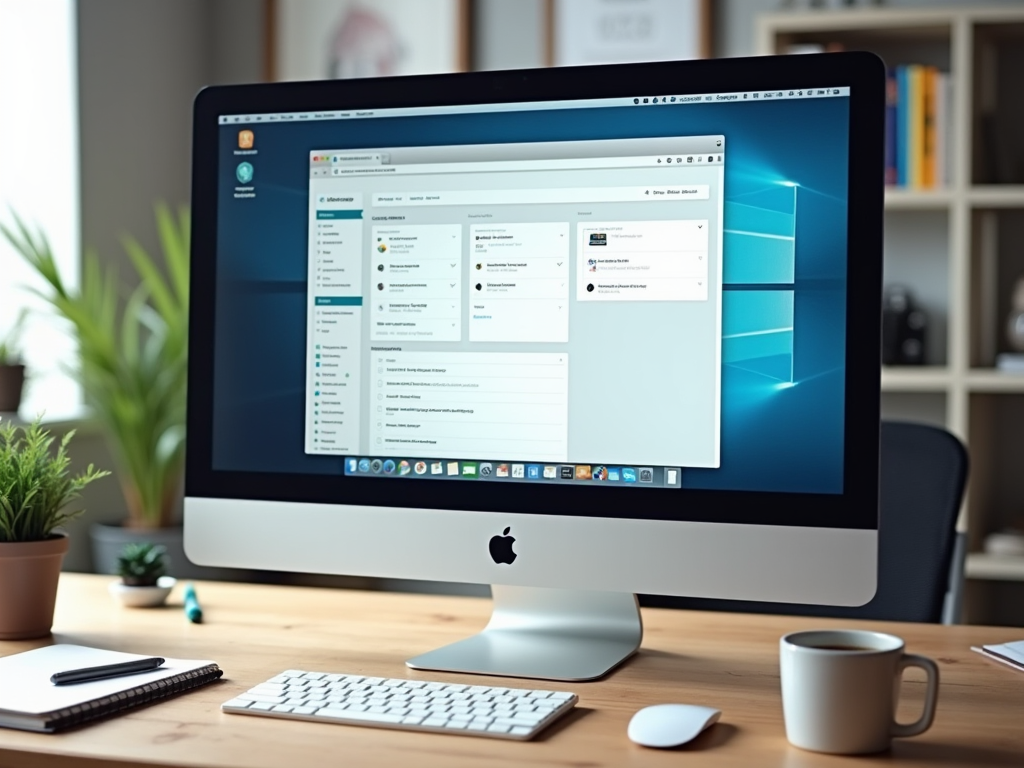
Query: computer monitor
577, 333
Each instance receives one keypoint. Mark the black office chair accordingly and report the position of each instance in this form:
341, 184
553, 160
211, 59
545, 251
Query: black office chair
924, 471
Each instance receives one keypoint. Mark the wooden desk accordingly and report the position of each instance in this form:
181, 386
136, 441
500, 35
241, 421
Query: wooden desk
729, 661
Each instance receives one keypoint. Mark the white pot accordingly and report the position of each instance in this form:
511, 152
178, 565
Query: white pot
143, 597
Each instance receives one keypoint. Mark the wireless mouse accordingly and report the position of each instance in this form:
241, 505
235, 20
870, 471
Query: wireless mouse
669, 725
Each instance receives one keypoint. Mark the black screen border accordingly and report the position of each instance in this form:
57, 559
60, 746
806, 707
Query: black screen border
855, 508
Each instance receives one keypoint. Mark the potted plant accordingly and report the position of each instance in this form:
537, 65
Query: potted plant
35, 490
132, 365
12, 372
142, 569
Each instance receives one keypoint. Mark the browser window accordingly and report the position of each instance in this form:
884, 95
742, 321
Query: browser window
535, 302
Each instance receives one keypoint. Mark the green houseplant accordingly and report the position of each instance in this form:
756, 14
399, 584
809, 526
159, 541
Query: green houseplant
142, 568
35, 491
141, 564
12, 371
133, 357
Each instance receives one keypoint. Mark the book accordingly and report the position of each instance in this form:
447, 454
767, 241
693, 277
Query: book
30, 702
892, 95
902, 125
929, 125
1011, 654
915, 139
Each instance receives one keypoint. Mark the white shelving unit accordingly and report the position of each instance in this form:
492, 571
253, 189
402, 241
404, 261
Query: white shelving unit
983, 49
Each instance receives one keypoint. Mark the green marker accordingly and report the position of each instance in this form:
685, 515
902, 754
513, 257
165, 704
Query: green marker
193, 611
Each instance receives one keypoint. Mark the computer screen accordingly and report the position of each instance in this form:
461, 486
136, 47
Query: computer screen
609, 330
642, 292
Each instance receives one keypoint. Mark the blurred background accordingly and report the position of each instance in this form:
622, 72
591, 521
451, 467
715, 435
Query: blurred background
96, 102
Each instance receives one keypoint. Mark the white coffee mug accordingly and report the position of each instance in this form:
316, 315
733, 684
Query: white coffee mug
840, 688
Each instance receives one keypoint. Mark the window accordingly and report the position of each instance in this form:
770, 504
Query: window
466, 301
39, 181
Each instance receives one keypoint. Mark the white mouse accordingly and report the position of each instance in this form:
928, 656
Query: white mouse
669, 725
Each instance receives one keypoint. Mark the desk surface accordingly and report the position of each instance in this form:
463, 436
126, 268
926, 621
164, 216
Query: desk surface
729, 661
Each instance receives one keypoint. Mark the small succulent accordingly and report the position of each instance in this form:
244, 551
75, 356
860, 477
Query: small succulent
141, 565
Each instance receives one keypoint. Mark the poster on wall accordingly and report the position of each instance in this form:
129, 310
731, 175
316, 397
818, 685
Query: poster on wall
622, 31
326, 39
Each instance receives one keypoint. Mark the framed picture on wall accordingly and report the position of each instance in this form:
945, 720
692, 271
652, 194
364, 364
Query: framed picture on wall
618, 32
324, 39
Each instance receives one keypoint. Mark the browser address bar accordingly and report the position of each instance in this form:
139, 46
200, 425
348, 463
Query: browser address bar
546, 196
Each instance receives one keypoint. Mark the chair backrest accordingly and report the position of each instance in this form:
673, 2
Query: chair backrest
923, 474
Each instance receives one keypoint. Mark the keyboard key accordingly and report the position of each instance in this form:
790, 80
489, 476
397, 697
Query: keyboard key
237, 703
366, 717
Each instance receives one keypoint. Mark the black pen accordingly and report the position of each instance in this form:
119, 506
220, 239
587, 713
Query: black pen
88, 674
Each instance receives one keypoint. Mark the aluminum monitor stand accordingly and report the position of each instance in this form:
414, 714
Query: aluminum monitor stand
552, 634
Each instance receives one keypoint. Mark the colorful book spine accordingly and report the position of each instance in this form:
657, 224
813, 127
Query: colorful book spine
891, 102
902, 125
941, 135
928, 142
915, 143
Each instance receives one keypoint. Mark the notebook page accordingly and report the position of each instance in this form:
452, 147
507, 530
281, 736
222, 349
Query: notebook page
25, 677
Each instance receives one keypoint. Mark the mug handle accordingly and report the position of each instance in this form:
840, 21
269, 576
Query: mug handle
931, 696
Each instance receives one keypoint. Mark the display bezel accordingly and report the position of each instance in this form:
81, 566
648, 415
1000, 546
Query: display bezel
856, 507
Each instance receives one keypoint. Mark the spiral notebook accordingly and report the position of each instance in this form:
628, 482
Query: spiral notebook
30, 702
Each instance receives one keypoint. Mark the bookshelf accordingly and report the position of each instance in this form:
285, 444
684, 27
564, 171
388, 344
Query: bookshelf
960, 248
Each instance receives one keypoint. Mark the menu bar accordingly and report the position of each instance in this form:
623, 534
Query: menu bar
636, 101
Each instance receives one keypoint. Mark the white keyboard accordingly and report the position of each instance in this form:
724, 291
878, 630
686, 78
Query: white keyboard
475, 710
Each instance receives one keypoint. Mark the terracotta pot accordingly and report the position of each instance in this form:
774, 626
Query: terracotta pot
29, 572
12, 380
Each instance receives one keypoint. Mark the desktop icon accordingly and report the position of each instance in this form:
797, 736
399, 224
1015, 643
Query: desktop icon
502, 470
376, 465
583, 472
672, 475
436, 468
614, 474
646, 475
351, 465
501, 548
628, 475
550, 473
486, 469
404, 468
245, 139
389, 467
533, 471
453, 468
518, 470
469, 468
364, 465
244, 173
568, 470
600, 473
420, 468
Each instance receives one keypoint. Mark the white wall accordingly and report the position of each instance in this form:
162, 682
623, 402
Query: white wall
39, 183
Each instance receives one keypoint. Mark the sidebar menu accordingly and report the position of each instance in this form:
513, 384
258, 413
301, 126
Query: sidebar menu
334, 317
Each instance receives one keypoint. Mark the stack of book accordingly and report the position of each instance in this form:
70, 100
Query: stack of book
918, 124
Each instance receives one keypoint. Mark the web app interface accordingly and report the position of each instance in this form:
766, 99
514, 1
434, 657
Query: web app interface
637, 291
498, 304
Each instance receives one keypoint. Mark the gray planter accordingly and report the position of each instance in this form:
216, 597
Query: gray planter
109, 540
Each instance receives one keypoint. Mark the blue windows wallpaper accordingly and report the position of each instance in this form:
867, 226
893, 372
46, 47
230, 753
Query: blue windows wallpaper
784, 293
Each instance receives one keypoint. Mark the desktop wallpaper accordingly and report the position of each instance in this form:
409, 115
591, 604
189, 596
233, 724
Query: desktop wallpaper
784, 254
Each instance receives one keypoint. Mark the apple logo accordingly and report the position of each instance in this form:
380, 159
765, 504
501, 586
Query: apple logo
501, 548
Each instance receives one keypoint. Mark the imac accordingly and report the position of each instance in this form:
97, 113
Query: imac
577, 333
